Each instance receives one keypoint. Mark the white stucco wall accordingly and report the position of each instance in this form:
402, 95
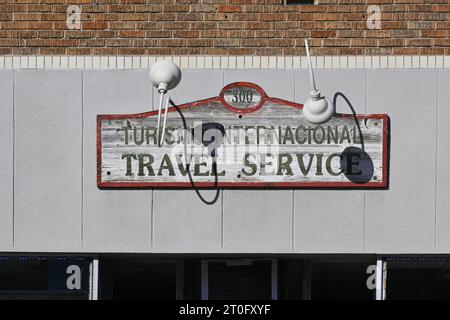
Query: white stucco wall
49, 201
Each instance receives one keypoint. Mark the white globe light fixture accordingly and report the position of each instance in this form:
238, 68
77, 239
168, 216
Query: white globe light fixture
165, 75
317, 109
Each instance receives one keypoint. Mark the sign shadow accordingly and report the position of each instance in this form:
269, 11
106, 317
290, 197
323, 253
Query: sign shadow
356, 164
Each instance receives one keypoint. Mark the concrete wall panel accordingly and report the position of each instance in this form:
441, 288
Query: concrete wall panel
6, 159
443, 167
48, 145
328, 220
113, 220
182, 221
402, 219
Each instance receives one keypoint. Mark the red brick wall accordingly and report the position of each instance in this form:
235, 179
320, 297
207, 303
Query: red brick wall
227, 27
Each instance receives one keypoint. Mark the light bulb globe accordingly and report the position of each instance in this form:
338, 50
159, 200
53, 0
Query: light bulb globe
318, 110
165, 75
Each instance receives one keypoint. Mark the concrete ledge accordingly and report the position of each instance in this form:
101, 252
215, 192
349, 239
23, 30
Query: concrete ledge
226, 62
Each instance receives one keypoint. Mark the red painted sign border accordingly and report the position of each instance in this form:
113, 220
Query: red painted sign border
244, 185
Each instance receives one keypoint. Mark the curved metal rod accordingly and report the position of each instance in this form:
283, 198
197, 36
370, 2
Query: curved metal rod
159, 116
161, 142
214, 164
358, 126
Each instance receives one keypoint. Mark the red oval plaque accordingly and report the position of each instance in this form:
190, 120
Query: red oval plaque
242, 97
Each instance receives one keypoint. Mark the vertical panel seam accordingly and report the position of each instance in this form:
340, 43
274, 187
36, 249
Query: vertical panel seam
152, 228
436, 186
82, 159
295, 87
221, 221
222, 234
14, 158
293, 192
293, 222
364, 223
366, 98
152, 222
366, 92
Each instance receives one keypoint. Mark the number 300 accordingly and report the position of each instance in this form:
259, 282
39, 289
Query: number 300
242, 96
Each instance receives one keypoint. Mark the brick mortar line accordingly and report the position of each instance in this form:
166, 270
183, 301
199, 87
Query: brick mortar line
225, 62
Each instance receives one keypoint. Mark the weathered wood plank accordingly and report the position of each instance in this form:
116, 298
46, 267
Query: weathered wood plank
263, 142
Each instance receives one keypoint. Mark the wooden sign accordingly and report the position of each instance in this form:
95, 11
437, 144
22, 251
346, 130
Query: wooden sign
242, 138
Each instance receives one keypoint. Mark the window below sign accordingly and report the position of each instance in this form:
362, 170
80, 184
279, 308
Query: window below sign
131, 279
43, 278
418, 278
341, 280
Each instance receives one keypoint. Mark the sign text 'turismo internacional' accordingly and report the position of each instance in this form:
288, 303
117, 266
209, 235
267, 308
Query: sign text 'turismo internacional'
242, 138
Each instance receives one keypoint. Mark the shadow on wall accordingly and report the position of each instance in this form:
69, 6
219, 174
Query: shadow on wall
364, 172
